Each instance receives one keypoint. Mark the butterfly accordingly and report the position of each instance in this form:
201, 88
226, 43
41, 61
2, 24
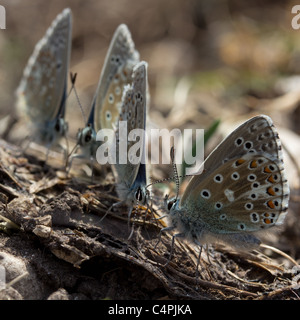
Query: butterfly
131, 176
41, 95
242, 191
116, 73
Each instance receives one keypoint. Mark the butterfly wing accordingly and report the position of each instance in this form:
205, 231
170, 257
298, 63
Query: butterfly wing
243, 194
257, 135
116, 73
132, 174
42, 91
250, 162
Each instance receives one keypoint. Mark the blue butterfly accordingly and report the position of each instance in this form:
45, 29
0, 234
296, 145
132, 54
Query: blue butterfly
116, 73
242, 192
41, 95
131, 176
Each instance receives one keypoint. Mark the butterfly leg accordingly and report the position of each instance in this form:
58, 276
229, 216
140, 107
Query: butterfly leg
149, 207
118, 204
52, 142
47, 153
177, 235
28, 142
73, 156
199, 257
128, 222
198, 262
134, 206
153, 212
160, 233
92, 163
207, 253
65, 149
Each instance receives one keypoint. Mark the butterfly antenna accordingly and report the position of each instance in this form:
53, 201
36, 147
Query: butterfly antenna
158, 181
176, 177
73, 80
73, 150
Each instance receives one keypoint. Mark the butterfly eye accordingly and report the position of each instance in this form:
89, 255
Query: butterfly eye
58, 125
139, 195
170, 205
88, 136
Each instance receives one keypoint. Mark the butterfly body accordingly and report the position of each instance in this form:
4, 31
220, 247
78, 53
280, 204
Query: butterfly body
242, 191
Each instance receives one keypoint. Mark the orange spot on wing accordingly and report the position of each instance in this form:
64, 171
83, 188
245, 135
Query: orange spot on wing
271, 204
267, 221
253, 164
239, 162
270, 191
267, 170
271, 179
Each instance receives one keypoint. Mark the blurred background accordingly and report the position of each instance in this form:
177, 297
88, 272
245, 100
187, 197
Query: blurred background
224, 60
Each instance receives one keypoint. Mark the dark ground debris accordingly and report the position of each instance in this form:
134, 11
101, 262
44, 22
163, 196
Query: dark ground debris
54, 239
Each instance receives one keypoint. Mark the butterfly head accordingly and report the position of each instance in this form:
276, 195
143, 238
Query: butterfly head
141, 195
170, 204
61, 126
86, 136
137, 195
51, 131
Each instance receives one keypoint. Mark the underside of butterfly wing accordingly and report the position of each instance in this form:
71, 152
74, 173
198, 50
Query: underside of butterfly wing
41, 94
133, 116
116, 73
